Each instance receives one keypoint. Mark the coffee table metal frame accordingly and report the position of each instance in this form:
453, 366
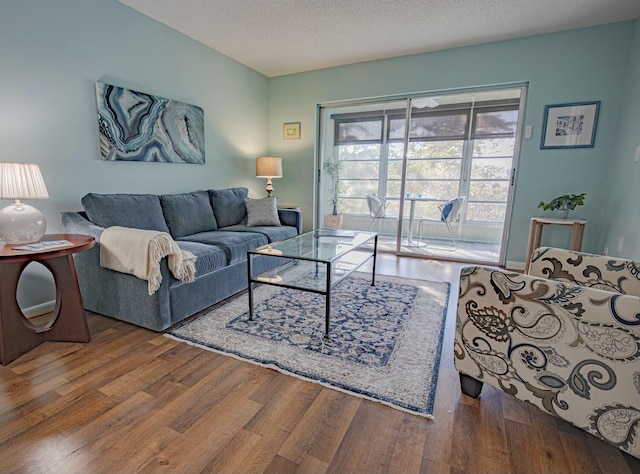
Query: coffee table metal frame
340, 252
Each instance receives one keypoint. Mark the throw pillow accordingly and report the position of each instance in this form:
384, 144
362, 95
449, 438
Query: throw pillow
262, 212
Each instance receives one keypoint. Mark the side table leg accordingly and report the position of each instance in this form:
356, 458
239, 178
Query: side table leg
532, 233
577, 231
580, 236
15, 337
539, 229
69, 323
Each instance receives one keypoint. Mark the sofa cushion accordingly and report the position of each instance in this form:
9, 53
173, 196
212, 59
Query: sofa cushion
209, 257
188, 213
235, 244
262, 212
140, 211
273, 234
228, 205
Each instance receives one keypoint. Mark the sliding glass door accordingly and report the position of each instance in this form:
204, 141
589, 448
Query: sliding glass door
354, 143
457, 148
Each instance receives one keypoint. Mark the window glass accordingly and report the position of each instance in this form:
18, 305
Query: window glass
395, 150
435, 126
436, 149
353, 205
433, 169
452, 151
359, 151
495, 123
486, 212
442, 190
354, 131
491, 168
488, 190
498, 147
360, 169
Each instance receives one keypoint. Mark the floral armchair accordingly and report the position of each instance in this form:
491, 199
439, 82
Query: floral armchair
565, 338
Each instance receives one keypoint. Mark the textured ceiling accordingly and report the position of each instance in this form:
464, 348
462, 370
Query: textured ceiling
278, 37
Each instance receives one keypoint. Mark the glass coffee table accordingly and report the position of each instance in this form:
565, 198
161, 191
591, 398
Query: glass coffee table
315, 261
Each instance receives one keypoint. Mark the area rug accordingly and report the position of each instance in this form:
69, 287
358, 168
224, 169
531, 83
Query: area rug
385, 340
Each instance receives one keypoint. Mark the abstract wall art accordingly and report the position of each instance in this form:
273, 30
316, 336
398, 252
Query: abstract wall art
134, 126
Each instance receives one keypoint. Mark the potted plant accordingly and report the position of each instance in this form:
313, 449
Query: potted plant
563, 204
333, 167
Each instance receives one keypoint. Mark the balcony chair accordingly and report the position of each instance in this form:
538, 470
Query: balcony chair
449, 212
378, 209
565, 338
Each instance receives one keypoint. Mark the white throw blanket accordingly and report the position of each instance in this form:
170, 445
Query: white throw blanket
139, 252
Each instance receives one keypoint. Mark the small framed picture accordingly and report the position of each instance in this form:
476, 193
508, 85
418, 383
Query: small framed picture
291, 131
570, 125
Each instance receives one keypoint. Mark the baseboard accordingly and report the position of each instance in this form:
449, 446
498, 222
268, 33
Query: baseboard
39, 309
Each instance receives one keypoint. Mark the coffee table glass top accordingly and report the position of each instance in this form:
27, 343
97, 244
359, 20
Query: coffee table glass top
320, 245
307, 258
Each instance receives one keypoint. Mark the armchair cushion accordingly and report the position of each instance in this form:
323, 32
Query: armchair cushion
228, 206
188, 213
573, 351
594, 271
138, 211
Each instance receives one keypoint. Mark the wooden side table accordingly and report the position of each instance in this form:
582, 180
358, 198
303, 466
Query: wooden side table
68, 323
535, 234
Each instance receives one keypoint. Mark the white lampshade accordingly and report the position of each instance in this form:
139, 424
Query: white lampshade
21, 181
21, 223
269, 167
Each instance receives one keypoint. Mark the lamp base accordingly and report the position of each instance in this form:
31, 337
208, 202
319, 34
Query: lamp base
21, 224
269, 187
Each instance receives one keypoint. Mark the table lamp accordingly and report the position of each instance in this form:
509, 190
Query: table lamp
268, 167
21, 223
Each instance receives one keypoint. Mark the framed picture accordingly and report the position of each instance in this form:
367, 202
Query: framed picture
291, 131
570, 125
135, 126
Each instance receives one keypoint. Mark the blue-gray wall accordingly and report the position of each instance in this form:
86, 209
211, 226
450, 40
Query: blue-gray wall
571, 66
620, 209
52, 52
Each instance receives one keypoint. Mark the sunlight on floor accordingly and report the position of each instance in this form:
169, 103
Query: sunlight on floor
487, 252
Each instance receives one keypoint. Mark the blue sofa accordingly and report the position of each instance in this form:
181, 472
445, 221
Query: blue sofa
210, 224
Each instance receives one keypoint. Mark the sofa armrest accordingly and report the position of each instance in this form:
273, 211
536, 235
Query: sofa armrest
78, 223
291, 217
579, 268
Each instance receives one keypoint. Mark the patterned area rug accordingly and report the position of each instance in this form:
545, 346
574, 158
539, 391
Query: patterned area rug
384, 345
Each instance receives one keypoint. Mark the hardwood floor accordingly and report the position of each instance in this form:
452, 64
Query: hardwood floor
135, 400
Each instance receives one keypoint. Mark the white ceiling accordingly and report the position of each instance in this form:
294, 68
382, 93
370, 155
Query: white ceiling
278, 37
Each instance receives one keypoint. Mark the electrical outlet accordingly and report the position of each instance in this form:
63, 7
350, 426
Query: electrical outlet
527, 132
637, 157
606, 250
620, 244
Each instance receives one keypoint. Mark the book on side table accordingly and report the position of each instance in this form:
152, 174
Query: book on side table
45, 245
